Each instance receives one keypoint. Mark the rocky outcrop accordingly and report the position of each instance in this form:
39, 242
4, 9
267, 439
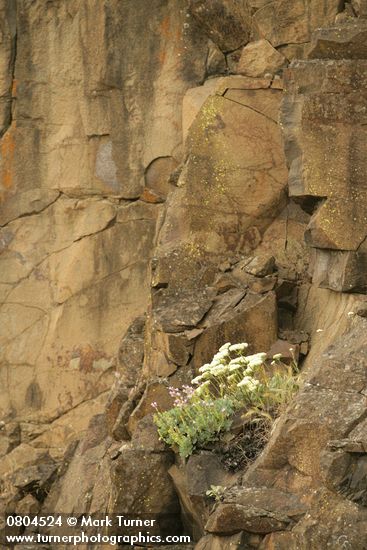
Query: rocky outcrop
255, 511
146, 196
324, 96
284, 22
78, 211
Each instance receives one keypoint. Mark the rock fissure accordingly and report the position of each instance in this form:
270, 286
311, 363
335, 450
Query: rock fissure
32, 213
251, 108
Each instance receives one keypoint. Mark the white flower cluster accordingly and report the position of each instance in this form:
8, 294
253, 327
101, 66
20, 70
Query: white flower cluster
232, 364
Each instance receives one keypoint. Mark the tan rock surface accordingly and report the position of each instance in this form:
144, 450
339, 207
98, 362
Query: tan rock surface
227, 186
255, 511
106, 215
317, 104
82, 93
292, 21
260, 58
85, 465
323, 527
360, 7
340, 221
242, 324
141, 487
347, 42
226, 22
313, 419
67, 281
192, 481
74, 255
194, 100
21, 457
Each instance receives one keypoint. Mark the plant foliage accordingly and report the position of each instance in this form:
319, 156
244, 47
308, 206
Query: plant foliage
232, 382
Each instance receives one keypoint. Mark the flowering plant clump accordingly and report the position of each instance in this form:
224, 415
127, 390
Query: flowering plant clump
232, 381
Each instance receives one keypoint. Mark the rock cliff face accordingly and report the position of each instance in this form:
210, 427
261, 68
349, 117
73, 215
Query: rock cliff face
174, 176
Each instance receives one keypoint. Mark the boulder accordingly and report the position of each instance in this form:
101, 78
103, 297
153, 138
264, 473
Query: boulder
314, 100
194, 100
340, 42
174, 267
176, 347
166, 352
292, 21
259, 266
332, 520
321, 179
232, 518
146, 437
223, 306
191, 482
257, 510
36, 480
175, 313
141, 488
245, 323
329, 405
226, 22
341, 271
259, 59
157, 177
82, 478
235, 176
